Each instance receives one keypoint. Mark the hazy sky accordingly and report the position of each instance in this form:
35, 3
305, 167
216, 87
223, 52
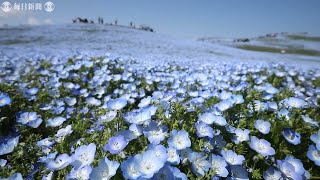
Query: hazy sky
185, 18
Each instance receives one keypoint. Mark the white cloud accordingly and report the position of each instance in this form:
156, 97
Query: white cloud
48, 21
11, 13
32, 21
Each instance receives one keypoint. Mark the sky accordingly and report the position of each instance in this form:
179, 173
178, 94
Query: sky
183, 18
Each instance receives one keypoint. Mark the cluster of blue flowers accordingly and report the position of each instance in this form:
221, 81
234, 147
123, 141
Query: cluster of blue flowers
97, 118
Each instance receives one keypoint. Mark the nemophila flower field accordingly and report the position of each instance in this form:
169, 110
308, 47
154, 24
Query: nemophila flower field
99, 118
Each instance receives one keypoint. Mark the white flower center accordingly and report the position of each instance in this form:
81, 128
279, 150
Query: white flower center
316, 154
147, 165
156, 132
133, 171
105, 173
116, 145
261, 147
203, 130
231, 160
84, 157
178, 140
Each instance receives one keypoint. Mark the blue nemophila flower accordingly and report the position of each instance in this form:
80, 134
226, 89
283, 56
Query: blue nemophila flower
218, 165
3, 162
261, 146
314, 154
35, 124
91, 101
136, 129
70, 101
238, 172
15, 176
127, 134
145, 102
30, 119
205, 94
82, 173
241, 135
199, 163
84, 155
60, 162
207, 118
179, 139
232, 158
291, 136
68, 85
164, 173
84, 110
215, 178
220, 121
7, 145
316, 139
47, 158
262, 126
271, 90
117, 104
284, 113
157, 95
178, 174
310, 121
160, 151
208, 145
223, 105
224, 95
47, 176
297, 164
295, 102
155, 133
236, 99
288, 169
108, 117
63, 132
193, 93
271, 174
105, 169
45, 107
147, 164
116, 144
45, 142
30, 93
203, 130
230, 128
137, 117
219, 142
152, 109
54, 122
129, 170
4, 99
210, 118
173, 156
272, 106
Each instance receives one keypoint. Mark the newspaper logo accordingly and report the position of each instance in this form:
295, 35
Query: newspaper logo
31, 6
6, 6
49, 6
